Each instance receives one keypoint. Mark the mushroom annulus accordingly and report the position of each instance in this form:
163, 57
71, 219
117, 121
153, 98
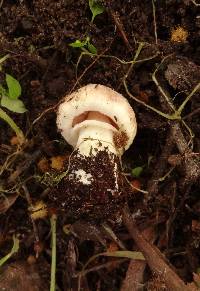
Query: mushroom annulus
100, 125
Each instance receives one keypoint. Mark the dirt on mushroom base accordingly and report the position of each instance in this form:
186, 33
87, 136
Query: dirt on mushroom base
100, 196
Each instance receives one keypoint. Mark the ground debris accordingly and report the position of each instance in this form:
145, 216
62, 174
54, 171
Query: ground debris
21, 276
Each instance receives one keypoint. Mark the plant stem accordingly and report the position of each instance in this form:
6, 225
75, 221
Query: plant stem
168, 116
4, 58
53, 252
165, 95
196, 88
154, 21
14, 250
13, 125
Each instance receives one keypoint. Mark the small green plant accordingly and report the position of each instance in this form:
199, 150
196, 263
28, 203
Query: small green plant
9, 98
96, 8
136, 172
10, 95
84, 45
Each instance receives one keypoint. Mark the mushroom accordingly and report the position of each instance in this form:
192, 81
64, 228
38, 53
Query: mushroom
100, 125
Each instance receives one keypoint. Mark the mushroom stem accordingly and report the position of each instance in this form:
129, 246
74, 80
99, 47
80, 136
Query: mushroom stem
95, 133
92, 139
95, 137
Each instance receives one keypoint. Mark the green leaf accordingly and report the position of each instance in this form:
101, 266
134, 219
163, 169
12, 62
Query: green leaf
2, 91
136, 172
92, 49
96, 8
14, 88
78, 43
120, 254
14, 105
126, 254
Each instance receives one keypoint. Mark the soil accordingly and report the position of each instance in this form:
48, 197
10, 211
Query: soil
92, 189
36, 34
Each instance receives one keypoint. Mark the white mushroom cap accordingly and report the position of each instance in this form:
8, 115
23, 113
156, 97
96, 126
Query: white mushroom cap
99, 98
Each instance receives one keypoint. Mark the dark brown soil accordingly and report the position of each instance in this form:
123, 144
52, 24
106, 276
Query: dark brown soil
36, 34
96, 198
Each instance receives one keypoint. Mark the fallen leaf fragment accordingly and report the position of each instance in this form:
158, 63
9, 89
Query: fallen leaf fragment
57, 162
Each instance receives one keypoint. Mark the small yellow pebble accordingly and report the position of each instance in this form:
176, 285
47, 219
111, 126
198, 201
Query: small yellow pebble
179, 34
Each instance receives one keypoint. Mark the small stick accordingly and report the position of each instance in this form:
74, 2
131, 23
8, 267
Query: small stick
161, 165
53, 220
120, 26
154, 21
192, 167
154, 257
195, 3
135, 273
28, 198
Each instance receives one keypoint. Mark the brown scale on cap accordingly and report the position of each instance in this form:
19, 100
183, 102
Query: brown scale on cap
120, 139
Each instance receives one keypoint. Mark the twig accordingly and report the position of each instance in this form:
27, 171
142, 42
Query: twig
195, 3
134, 276
14, 250
90, 65
176, 210
24, 166
111, 233
159, 168
53, 220
192, 168
28, 198
196, 88
4, 58
119, 24
10, 159
49, 109
13, 125
154, 21
165, 115
154, 257
135, 272
121, 61
188, 116
1, 3
164, 94
105, 265
119, 254
138, 51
